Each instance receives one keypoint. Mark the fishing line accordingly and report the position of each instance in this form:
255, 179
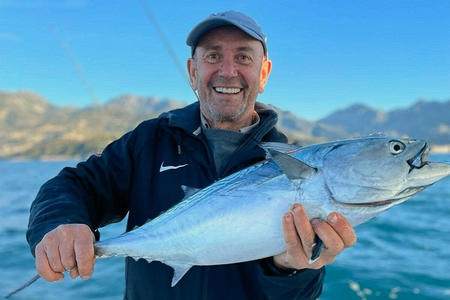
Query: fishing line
165, 41
76, 65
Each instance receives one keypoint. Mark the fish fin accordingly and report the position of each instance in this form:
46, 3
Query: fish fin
280, 147
189, 191
178, 272
316, 249
292, 167
135, 227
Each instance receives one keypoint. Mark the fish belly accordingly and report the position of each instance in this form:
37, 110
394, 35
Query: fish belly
236, 219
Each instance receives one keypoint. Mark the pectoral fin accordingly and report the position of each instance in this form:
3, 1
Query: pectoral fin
280, 147
292, 167
178, 272
189, 191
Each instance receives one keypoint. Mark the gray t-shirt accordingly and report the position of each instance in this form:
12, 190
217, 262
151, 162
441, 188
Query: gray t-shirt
224, 142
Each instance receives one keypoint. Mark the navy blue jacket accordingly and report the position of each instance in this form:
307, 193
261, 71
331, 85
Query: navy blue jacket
126, 177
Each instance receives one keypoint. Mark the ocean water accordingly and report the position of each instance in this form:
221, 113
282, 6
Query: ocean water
403, 253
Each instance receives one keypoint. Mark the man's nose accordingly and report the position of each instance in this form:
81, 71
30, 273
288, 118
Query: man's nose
228, 68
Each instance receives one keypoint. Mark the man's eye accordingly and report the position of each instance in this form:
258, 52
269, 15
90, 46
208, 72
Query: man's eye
244, 58
212, 57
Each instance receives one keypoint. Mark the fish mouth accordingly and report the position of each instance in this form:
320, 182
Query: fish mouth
420, 159
372, 204
399, 197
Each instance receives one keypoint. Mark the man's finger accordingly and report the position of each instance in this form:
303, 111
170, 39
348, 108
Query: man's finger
51, 251
342, 228
303, 228
84, 255
43, 267
290, 234
333, 243
74, 273
67, 254
294, 248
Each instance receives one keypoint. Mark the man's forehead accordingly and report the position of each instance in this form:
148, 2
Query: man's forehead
217, 37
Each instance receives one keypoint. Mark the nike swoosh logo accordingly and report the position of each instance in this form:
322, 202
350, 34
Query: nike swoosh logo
165, 168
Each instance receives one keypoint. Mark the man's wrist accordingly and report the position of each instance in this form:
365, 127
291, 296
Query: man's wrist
274, 269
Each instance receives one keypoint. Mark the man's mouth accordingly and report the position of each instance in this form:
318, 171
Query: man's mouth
227, 90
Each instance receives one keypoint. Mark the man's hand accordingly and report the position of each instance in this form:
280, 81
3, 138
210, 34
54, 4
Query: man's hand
66, 248
336, 234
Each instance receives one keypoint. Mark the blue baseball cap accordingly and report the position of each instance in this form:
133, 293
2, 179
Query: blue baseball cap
234, 18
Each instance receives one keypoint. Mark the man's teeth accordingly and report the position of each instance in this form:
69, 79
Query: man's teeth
227, 90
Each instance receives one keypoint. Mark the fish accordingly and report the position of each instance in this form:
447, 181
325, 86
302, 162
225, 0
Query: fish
238, 218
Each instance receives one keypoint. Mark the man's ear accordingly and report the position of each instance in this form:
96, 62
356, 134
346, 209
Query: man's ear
192, 73
265, 71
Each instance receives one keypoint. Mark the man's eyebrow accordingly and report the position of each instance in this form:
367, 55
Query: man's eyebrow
213, 47
218, 48
246, 49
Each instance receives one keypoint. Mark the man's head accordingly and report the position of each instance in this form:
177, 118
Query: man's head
228, 68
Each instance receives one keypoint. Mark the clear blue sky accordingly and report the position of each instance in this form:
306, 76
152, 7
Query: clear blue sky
326, 54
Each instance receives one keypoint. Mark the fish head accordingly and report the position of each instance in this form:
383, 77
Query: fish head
375, 173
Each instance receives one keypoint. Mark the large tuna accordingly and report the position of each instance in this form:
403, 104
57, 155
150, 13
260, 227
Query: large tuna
238, 218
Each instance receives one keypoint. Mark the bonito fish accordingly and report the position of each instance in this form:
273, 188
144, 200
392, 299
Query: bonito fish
358, 178
238, 218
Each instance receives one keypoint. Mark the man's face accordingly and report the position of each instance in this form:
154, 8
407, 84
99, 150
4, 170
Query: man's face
228, 71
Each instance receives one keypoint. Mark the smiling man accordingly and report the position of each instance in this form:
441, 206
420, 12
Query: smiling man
142, 174
228, 69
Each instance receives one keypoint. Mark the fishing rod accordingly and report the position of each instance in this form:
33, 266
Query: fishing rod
26, 284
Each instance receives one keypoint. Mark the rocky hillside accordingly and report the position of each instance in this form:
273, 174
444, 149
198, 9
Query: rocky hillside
31, 127
429, 120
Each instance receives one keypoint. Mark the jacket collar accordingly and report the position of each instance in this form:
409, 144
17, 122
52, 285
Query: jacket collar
188, 117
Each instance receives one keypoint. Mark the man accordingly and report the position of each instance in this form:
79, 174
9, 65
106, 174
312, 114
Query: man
205, 141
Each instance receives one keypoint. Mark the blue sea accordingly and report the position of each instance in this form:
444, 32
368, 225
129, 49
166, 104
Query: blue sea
403, 253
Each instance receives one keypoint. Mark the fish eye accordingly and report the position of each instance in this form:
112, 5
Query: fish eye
396, 147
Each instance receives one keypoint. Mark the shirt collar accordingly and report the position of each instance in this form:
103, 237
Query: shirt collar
255, 122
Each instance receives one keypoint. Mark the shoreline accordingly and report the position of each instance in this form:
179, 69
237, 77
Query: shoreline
440, 151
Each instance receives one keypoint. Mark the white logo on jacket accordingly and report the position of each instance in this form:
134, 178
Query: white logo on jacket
165, 168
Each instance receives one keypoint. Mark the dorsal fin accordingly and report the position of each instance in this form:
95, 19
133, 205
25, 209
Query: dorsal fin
292, 167
280, 147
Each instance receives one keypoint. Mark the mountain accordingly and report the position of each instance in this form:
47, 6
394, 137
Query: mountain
304, 132
356, 119
429, 120
31, 127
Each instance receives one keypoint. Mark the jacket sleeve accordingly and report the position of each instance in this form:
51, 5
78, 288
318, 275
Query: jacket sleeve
94, 193
305, 284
